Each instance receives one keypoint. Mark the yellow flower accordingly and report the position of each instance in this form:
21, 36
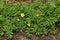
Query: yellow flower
29, 24
22, 14
38, 15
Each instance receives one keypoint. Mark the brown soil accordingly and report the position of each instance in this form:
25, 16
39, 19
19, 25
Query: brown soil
4, 37
19, 36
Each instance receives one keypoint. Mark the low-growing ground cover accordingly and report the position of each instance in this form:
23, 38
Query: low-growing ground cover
37, 18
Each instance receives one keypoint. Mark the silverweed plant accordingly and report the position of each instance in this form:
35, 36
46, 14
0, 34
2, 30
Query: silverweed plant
37, 18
